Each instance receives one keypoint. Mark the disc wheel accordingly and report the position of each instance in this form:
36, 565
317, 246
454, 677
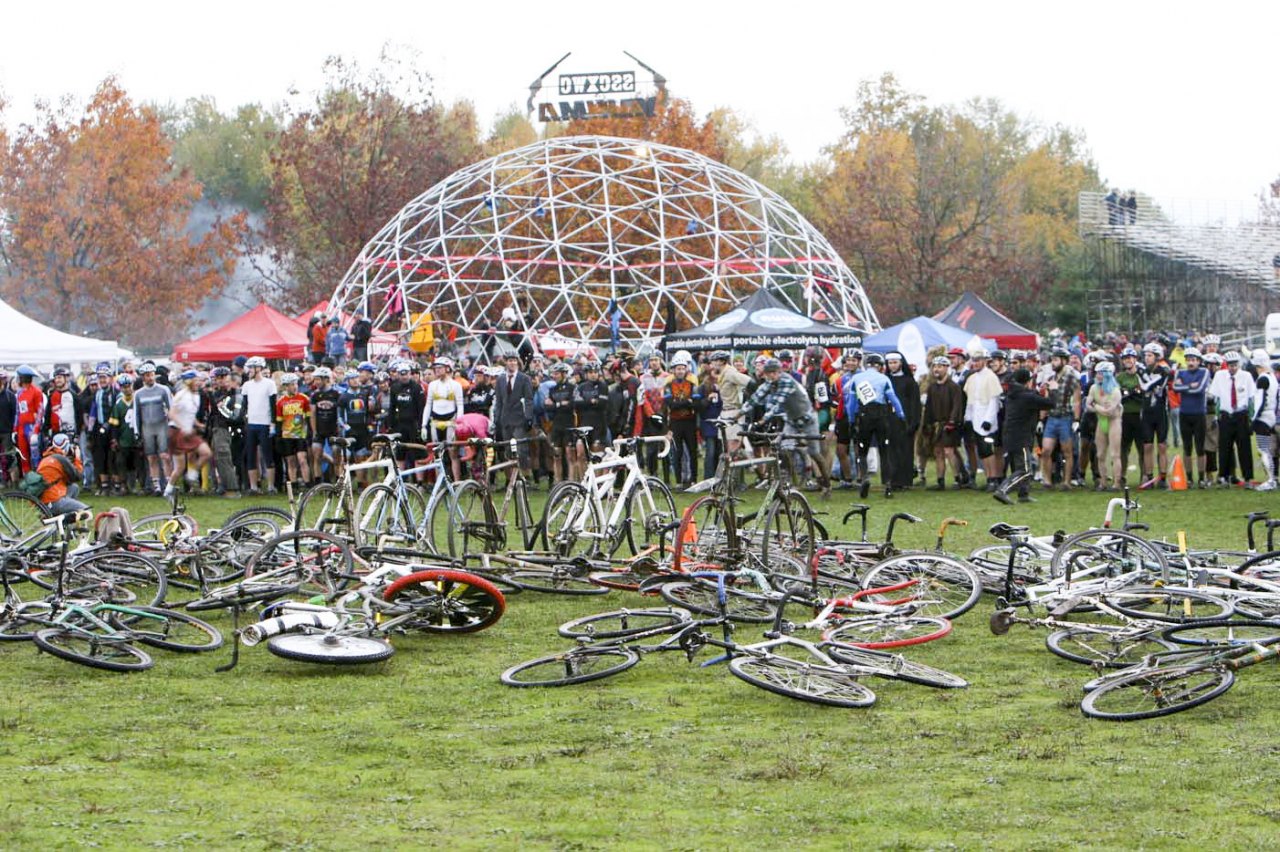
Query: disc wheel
1110, 650
113, 653
934, 584
170, 630
329, 648
649, 515
446, 601
623, 623
896, 666
876, 631
572, 522
815, 684
1156, 692
577, 666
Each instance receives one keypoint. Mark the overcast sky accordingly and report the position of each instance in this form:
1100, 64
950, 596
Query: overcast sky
1176, 100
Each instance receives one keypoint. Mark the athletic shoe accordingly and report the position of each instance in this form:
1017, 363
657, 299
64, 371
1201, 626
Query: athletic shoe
193, 476
864, 489
1026, 498
1148, 484
1002, 497
1269, 485
846, 485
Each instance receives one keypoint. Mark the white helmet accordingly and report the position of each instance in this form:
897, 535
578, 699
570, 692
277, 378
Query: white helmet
443, 362
289, 379
979, 352
681, 359
1154, 348
1212, 339
323, 373
256, 361
1192, 352
1105, 367
1260, 358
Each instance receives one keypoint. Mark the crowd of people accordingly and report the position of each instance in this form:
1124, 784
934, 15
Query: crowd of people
997, 420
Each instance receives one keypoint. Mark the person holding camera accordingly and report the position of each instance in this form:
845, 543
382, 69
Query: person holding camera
62, 471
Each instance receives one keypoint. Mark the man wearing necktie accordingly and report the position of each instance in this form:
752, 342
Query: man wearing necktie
1234, 390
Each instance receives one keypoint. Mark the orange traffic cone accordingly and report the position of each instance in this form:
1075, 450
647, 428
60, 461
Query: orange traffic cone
1177, 475
690, 533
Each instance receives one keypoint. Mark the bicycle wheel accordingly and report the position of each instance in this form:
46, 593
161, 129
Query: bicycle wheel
20, 515
113, 653
1156, 692
382, 514
530, 527
312, 562
321, 508
329, 648
471, 520
20, 625
788, 530
572, 522
878, 631
163, 528
701, 597
224, 555
1224, 632
1170, 605
1101, 648
706, 537
445, 601
243, 593
274, 514
557, 580
110, 576
649, 515
170, 630
895, 666
936, 585
577, 666
815, 684
1107, 553
623, 623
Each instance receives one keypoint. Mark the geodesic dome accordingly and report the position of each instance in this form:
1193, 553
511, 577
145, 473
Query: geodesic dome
583, 233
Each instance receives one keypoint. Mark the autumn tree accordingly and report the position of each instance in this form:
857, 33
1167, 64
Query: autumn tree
229, 154
345, 165
674, 122
95, 232
927, 201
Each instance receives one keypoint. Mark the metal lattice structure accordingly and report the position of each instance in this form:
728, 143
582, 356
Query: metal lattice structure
571, 226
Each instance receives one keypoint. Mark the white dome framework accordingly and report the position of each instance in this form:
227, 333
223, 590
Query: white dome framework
569, 226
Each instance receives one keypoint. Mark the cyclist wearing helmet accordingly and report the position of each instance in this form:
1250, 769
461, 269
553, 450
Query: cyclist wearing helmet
444, 403
1192, 385
100, 402
682, 399
153, 401
28, 418
1106, 400
651, 414
406, 406
781, 396
260, 398
124, 440
226, 428
293, 418
559, 406
1131, 423
1154, 382
190, 452
479, 397
850, 365
63, 411
590, 402
869, 401
982, 391
326, 416
1060, 427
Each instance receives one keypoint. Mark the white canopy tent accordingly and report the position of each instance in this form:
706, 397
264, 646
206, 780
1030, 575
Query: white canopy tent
25, 341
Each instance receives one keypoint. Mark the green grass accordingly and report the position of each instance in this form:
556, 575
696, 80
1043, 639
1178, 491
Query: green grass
429, 749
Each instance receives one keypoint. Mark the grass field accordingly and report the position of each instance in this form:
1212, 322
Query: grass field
429, 750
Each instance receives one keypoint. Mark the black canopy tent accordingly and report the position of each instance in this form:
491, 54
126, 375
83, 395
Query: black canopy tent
762, 321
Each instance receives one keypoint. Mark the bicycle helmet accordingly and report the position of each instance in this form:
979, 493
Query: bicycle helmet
559, 367
62, 371
219, 372
1060, 352
1154, 348
683, 355
1213, 358
786, 355
874, 359
1212, 340
367, 367
442, 361
1260, 358
125, 380
979, 353
591, 367
956, 351
256, 361
1232, 357
1192, 352
289, 379
1129, 352
1105, 367
147, 367
188, 374
720, 355
940, 361
772, 364
999, 355
324, 373
61, 442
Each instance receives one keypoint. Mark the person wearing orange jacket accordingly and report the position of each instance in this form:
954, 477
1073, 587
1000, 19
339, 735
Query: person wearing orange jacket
63, 471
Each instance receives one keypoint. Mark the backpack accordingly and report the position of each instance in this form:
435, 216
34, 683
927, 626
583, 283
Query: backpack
32, 484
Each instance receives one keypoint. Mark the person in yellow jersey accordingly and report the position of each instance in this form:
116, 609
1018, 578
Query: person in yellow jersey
444, 404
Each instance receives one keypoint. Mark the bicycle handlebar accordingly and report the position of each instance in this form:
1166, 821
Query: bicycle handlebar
618, 443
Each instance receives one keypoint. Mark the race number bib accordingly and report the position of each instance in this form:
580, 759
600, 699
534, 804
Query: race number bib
866, 393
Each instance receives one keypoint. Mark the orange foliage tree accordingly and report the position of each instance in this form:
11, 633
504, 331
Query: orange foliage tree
96, 235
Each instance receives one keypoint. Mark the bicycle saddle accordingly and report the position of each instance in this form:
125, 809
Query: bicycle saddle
580, 430
385, 439
342, 442
1003, 530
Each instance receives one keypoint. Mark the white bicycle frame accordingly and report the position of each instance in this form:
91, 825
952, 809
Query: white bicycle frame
600, 476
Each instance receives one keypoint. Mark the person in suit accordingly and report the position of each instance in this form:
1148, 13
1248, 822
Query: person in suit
513, 407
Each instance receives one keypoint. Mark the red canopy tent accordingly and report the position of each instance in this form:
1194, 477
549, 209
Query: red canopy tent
262, 331
977, 317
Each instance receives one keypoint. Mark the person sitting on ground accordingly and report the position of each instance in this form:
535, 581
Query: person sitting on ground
63, 471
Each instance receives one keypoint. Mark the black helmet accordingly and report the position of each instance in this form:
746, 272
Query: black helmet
1001, 354
1060, 352
873, 359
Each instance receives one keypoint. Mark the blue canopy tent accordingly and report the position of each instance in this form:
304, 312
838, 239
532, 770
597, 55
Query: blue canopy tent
915, 337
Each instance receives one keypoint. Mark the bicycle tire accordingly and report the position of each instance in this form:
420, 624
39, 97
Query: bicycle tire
320, 508
571, 522
530, 529
318, 562
152, 527
645, 523
225, 554
20, 515
878, 632
788, 530
333, 649
1099, 648
944, 587
379, 513
1170, 605
1223, 632
894, 666
111, 576
579, 665
623, 623
1123, 551
181, 632
111, 654
21, 626
700, 597
472, 509
707, 535
448, 601
274, 514
817, 685
1156, 692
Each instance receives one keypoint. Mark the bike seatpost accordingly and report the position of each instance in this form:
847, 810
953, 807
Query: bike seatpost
898, 516
1254, 518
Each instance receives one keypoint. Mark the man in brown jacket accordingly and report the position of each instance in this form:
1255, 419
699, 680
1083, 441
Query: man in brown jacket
943, 420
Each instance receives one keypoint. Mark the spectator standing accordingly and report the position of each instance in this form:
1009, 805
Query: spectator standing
260, 419
1192, 384
1106, 401
335, 342
1022, 409
153, 401
1233, 390
1063, 421
982, 391
681, 401
361, 334
1265, 405
712, 410
225, 421
943, 420
903, 432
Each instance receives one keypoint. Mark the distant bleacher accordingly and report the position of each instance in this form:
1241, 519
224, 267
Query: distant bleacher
1246, 252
